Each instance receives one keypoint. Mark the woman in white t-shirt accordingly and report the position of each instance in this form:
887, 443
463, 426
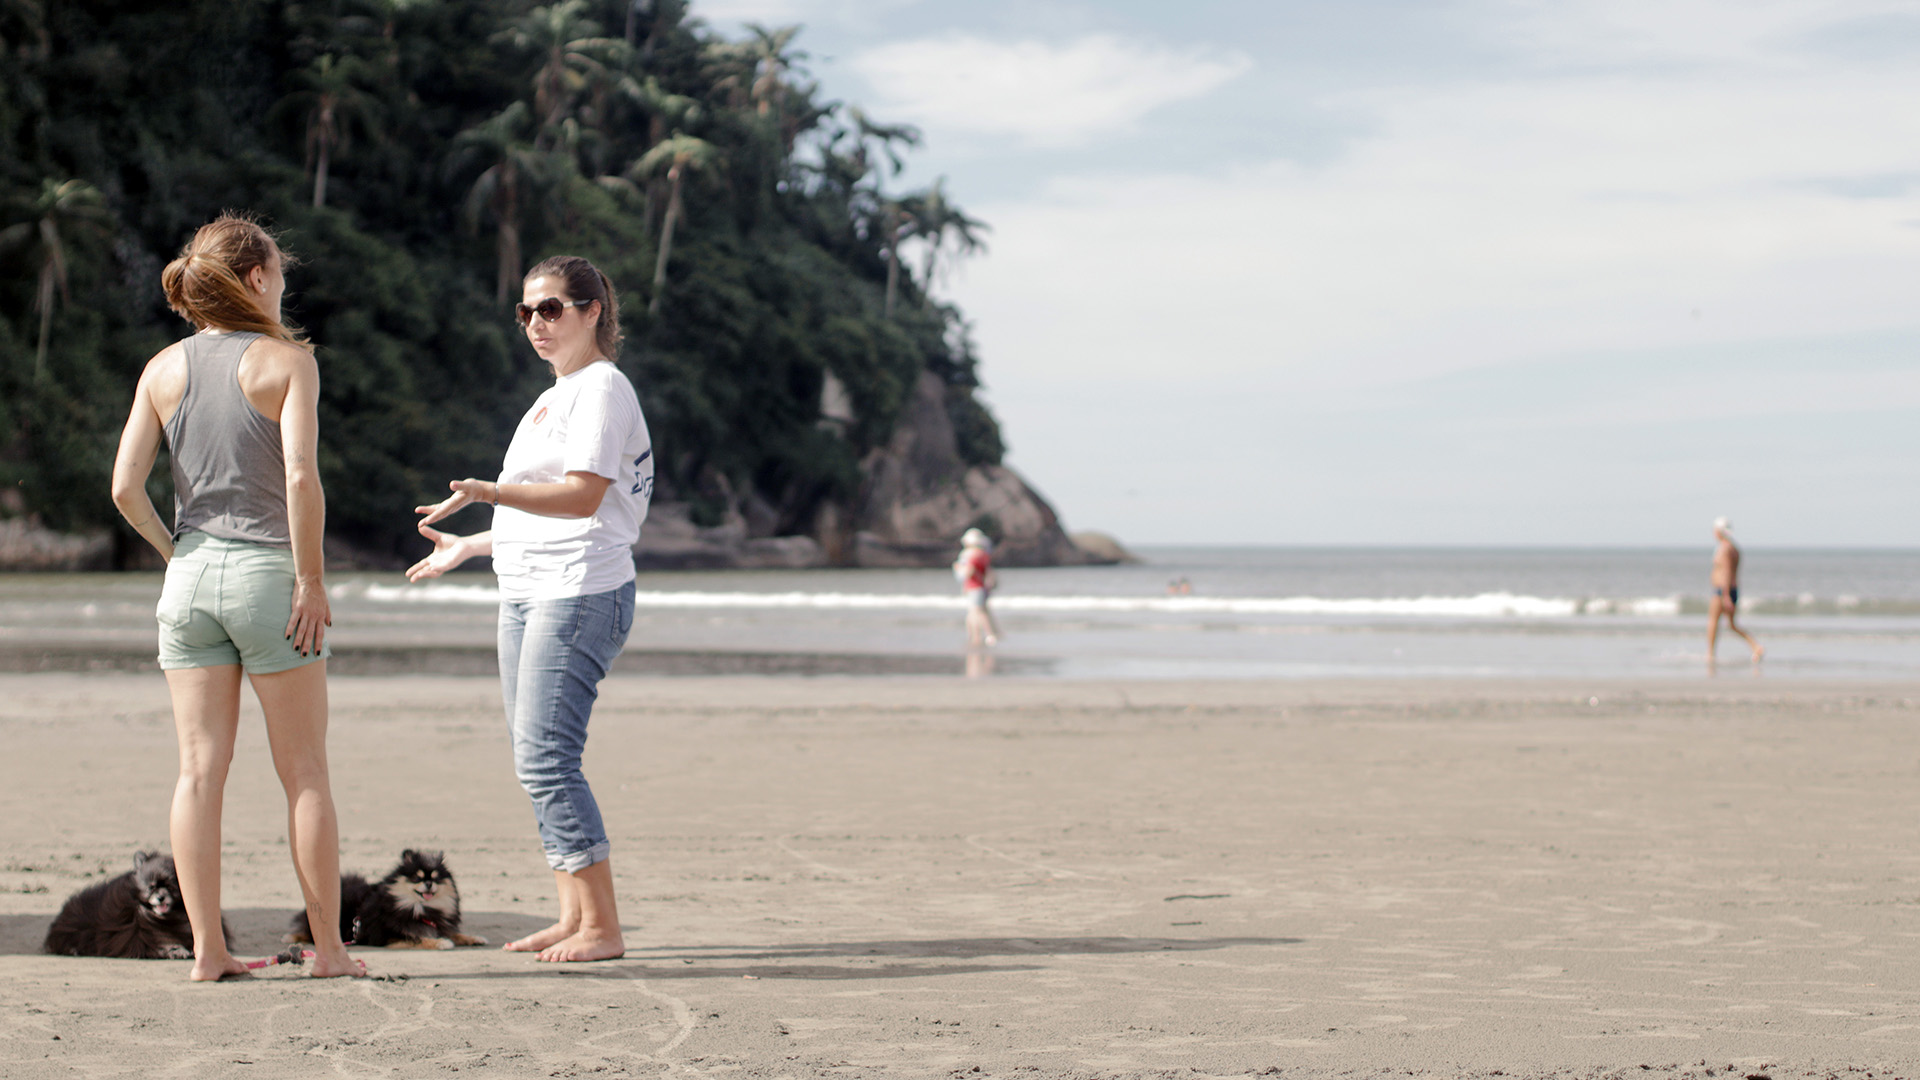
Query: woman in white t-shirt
567, 510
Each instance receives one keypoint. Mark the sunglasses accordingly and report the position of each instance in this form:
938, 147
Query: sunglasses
549, 310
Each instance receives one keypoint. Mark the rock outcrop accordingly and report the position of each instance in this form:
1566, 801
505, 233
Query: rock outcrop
671, 541
919, 495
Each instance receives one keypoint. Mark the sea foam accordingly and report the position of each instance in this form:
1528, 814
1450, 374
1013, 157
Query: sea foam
1485, 605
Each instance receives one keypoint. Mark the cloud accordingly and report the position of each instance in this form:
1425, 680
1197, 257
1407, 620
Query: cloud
1687, 33
1878, 186
789, 12
1037, 92
1479, 224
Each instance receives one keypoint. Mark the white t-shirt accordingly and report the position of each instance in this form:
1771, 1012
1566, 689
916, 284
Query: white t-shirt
588, 421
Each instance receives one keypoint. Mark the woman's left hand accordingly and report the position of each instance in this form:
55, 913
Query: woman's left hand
449, 551
306, 627
464, 492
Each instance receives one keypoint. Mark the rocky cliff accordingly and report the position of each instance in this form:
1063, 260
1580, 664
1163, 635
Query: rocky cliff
918, 496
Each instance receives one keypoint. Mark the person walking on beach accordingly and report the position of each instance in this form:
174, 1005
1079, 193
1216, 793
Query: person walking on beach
974, 568
236, 403
568, 505
1726, 591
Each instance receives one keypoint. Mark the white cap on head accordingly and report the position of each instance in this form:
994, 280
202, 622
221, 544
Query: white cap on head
975, 538
1723, 524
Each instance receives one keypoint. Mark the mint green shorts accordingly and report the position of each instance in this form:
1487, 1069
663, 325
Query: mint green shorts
228, 602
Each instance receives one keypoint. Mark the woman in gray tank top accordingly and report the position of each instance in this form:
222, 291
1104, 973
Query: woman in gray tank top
236, 403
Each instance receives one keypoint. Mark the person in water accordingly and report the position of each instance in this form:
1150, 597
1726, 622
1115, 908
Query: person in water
1726, 591
974, 568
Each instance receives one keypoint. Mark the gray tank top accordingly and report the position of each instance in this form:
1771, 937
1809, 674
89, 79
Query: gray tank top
229, 476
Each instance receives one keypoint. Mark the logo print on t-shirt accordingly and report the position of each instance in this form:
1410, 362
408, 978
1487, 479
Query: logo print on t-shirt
541, 415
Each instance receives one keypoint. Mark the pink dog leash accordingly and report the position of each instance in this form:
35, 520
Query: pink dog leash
293, 955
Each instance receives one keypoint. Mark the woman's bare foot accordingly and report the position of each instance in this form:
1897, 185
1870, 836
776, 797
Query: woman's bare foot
584, 946
332, 965
213, 969
544, 939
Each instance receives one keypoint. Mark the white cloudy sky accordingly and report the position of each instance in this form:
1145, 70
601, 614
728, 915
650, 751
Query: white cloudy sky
1493, 271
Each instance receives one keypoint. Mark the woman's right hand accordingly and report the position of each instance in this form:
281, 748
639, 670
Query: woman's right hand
464, 492
449, 551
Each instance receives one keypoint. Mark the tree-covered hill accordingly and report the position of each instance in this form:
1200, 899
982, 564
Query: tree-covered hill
418, 154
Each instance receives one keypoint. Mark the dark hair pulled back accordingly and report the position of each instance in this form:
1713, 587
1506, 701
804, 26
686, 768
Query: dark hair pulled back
584, 281
207, 283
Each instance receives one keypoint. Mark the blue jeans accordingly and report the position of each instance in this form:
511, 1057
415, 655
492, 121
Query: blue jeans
553, 654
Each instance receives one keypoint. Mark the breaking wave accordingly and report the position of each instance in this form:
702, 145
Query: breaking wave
1485, 605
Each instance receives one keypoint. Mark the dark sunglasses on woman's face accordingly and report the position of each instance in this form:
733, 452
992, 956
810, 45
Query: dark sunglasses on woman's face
549, 309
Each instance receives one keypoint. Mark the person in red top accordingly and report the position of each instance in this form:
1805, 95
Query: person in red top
974, 568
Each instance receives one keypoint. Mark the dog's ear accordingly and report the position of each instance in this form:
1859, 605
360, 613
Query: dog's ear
140, 859
409, 855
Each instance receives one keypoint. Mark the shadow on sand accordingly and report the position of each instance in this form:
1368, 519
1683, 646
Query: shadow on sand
257, 931
898, 959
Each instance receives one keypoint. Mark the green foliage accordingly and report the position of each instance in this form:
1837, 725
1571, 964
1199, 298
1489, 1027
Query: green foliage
974, 429
418, 156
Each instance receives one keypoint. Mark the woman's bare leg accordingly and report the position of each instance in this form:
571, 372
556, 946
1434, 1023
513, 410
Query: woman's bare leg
598, 936
295, 703
568, 925
206, 718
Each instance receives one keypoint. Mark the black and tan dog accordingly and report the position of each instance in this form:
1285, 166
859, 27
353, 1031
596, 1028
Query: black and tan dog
416, 906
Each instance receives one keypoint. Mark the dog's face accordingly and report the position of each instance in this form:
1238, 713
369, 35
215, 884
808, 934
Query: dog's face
157, 885
422, 882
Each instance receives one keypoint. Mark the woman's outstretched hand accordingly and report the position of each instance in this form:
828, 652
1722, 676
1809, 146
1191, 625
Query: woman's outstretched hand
464, 492
449, 551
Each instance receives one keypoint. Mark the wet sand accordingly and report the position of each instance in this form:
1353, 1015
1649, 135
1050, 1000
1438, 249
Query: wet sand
917, 877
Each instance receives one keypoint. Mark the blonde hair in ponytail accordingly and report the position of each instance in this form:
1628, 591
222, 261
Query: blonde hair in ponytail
207, 284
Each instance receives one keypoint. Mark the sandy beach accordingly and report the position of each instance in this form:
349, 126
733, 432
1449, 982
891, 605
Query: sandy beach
915, 877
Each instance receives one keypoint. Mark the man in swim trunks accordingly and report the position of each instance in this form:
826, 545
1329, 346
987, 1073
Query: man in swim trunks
1726, 590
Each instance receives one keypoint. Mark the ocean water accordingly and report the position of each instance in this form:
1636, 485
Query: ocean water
1251, 613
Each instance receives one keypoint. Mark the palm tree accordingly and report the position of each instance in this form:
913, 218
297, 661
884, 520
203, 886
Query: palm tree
515, 172
677, 154
63, 210
576, 58
892, 219
771, 62
898, 220
662, 17
936, 220
333, 102
665, 110
884, 135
